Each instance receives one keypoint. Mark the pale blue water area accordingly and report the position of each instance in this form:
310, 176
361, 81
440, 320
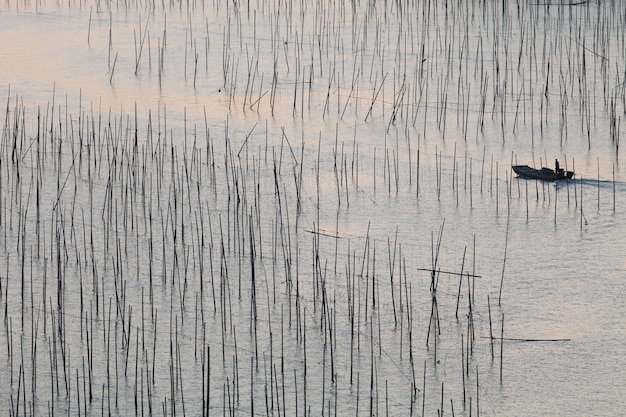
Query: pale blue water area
276, 208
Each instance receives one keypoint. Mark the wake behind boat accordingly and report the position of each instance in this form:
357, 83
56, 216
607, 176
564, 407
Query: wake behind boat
544, 174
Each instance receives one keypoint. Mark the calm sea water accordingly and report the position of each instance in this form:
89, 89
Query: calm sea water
309, 209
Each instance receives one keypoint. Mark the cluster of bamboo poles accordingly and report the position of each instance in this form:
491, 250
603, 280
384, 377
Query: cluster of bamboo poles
454, 69
156, 267
147, 277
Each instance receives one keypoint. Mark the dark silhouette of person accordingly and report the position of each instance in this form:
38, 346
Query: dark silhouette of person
556, 166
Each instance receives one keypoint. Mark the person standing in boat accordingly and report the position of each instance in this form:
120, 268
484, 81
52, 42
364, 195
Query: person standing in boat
556, 166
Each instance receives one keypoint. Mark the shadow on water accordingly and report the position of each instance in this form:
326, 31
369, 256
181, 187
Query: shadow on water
586, 182
590, 182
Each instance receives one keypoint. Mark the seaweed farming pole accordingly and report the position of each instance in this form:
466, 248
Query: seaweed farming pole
463, 369
613, 188
506, 244
556, 199
490, 326
501, 346
424, 390
458, 297
581, 205
392, 261
575, 189
434, 313
417, 177
598, 160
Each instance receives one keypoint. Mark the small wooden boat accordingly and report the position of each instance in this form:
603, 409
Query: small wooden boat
544, 174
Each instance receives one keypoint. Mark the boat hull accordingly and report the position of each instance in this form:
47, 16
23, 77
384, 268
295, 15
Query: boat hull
543, 174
